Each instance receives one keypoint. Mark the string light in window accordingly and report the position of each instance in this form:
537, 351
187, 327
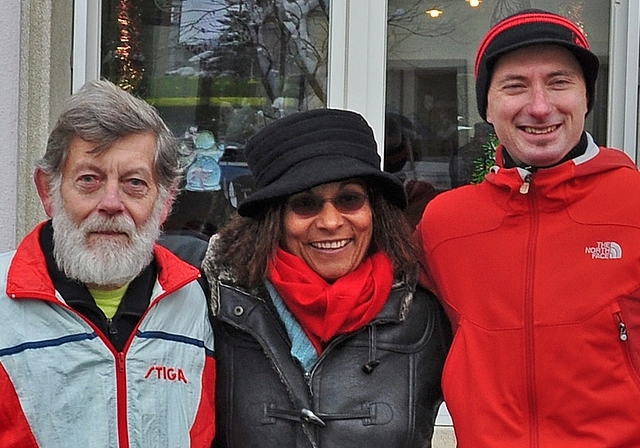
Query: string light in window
128, 48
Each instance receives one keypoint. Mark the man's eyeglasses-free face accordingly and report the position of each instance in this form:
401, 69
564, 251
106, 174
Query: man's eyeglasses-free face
310, 204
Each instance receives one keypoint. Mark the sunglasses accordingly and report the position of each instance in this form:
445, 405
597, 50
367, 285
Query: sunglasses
309, 204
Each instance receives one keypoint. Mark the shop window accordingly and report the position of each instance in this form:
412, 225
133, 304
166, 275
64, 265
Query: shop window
217, 71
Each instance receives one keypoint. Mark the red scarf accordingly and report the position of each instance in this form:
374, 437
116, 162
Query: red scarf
325, 310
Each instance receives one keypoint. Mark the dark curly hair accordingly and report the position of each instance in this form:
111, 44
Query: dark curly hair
243, 247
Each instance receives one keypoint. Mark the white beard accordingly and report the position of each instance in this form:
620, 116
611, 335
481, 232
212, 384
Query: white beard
102, 261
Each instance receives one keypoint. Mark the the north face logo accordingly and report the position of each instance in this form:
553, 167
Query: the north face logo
605, 251
166, 373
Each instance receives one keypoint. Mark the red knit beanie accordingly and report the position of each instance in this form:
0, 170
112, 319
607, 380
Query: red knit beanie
532, 27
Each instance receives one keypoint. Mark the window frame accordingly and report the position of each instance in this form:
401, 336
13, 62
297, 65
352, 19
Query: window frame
624, 50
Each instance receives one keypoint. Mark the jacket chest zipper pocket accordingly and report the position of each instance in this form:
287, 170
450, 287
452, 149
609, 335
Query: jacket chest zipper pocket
628, 343
622, 328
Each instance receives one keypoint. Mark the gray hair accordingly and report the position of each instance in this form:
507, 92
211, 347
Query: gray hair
102, 113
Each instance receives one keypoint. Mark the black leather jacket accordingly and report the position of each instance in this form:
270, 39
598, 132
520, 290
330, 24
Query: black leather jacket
377, 387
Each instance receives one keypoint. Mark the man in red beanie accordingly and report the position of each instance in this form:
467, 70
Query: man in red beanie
539, 265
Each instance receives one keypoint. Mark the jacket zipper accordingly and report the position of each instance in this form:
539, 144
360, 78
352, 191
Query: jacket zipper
529, 313
111, 329
121, 384
622, 328
308, 376
524, 188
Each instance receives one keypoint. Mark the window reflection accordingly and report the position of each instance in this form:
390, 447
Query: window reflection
217, 71
431, 88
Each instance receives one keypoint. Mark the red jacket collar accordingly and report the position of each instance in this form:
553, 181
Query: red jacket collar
28, 276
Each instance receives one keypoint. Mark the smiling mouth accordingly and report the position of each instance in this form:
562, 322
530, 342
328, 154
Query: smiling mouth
330, 244
539, 131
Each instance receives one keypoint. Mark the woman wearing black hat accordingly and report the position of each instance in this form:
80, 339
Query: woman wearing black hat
323, 338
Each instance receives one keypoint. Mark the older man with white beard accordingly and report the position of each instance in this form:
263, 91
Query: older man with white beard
105, 338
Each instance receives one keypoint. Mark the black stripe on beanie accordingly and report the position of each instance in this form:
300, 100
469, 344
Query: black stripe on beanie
532, 27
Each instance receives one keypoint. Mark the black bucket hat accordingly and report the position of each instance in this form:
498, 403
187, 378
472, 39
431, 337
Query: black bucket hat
532, 27
306, 149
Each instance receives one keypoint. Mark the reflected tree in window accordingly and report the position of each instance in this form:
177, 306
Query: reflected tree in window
505, 8
281, 45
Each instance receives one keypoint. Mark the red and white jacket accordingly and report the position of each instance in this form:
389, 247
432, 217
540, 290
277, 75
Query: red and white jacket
543, 289
63, 385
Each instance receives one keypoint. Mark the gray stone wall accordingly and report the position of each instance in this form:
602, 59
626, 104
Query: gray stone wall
44, 81
9, 81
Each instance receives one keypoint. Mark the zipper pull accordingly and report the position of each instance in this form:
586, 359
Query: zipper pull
524, 188
110, 328
622, 328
